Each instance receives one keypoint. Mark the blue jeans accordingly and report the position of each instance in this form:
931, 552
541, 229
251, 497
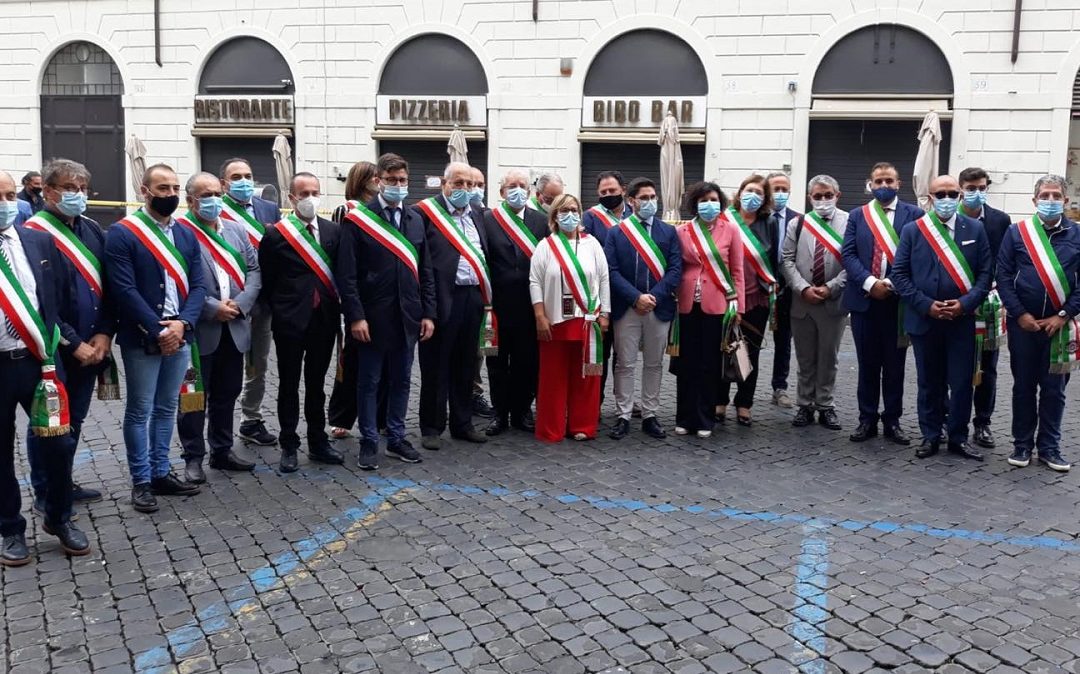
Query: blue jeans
153, 394
398, 361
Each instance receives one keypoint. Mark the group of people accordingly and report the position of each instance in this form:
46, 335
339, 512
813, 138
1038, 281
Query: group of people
196, 285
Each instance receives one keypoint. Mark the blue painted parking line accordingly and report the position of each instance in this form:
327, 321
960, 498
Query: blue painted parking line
811, 583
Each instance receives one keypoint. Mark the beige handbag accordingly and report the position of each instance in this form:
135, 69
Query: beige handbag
735, 352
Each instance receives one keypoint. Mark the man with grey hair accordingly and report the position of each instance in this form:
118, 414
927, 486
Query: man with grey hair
548, 187
812, 267
780, 184
1038, 277
513, 231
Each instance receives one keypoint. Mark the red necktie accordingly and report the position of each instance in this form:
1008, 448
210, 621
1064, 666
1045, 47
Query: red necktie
315, 299
875, 263
819, 264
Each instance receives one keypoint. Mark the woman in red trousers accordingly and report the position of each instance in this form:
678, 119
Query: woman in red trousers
568, 283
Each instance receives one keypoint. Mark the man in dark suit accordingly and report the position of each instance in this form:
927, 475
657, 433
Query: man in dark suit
297, 259
942, 273
974, 183
158, 290
513, 230
37, 270
255, 215
388, 297
33, 191
872, 233
223, 333
448, 359
481, 406
780, 184
645, 267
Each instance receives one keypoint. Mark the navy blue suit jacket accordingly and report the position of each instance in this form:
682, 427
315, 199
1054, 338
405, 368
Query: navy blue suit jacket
859, 248
996, 223
592, 224
266, 212
444, 257
1019, 284
47, 263
137, 284
623, 260
920, 278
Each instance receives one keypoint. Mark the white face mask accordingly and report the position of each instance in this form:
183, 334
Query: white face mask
825, 207
307, 207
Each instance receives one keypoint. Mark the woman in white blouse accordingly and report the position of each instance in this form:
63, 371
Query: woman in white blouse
568, 283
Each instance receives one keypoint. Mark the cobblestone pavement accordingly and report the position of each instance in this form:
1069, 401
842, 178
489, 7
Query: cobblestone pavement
768, 549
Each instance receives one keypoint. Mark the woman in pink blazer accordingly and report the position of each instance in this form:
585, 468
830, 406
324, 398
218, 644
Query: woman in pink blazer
702, 305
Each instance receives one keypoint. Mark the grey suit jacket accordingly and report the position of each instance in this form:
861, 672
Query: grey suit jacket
798, 267
208, 332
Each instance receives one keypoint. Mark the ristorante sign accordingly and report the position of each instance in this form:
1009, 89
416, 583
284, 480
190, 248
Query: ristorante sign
429, 111
244, 110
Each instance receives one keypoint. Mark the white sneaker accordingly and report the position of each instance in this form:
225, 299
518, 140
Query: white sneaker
780, 398
704, 434
679, 430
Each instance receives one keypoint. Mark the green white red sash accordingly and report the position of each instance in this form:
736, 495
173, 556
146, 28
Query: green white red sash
386, 235
49, 410
824, 233
990, 330
296, 233
1046, 262
535, 204
223, 254
605, 216
754, 251
235, 211
881, 228
1065, 348
644, 245
711, 259
85, 262
515, 228
948, 253
587, 301
171, 260
192, 389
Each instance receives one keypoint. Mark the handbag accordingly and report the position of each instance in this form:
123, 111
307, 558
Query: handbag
735, 356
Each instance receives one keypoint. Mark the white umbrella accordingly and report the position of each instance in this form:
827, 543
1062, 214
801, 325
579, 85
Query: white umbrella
457, 148
283, 165
671, 167
926, 162
136, 153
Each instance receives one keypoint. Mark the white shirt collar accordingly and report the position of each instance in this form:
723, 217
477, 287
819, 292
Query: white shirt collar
891, 206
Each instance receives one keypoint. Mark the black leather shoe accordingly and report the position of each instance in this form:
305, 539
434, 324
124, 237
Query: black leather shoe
470, 436
927, 448
229, 460
620, 429
73, 541
896, 435
804, 417
81, 494
481, 407
14, 551
496, 427
142, 498
983, 437
193, 471
829, 420
965, 450
525, 423
170, 485
864, 432
288, 463
369, 456
255, 432
326, 454
652, 428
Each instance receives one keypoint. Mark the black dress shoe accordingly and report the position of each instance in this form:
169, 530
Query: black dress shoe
496, 427
965, 450
620, 429
288, 464
896, 435
481, 407
14, 551
170, 485
324, 453
73, 541
804, 417
228, 460
864, 432
983, 437
927, 448
81, 494
193, 471
142, 498
652, 428
829, 420
470, 436
525, 423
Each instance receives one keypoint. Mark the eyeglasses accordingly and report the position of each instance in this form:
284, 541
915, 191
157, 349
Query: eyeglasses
972, 190
825, 196
71, 187
951, 194
569, 209
387, 180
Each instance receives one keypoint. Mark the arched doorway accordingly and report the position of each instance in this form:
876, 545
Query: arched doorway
82, 118
870, 94
431, 84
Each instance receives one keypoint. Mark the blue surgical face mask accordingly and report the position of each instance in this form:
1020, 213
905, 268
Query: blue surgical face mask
72, 204
780, 200
647, 208
209, 208
395, 194
708, 210
459, 198
751, 201
516, 197
8, 211
884, 195
477, 198
945, 208
1049, 209
569, 222
242, 190
974, 199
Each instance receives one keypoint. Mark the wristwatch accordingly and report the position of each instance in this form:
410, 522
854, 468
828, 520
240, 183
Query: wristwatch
1063, 314
187, 326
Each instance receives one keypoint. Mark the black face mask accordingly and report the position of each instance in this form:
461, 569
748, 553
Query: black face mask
164, 206
36, 191
611, 201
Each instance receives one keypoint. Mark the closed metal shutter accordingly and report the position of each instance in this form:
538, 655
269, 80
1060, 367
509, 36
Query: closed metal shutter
258, 151
634, 160
428, 158
846, 149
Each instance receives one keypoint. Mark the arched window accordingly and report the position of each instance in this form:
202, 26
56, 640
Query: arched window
246, 65
82, 69
646, 62
433, 65
884, 59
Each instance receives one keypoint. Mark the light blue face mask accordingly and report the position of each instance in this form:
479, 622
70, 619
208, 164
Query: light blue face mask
516, 197
647, 208
459, 198
395, 194
974, 199
72, 204
780, 199
945, 208
8, 211
751, 201
242, 190
708, 210
569, 222
1049, 209
477, 198
209, 208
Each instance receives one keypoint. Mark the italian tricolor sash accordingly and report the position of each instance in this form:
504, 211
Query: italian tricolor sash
1045, 260
192, 389
515, 228
605, 216
535, 204
881, 228
587, 301
233, 210
297, 235
171, 260
645, 246
824, 233
711, 259
1065, 348
990, 330
758, 256
49, 411
948, 253
387, 236
86, 263
224, 255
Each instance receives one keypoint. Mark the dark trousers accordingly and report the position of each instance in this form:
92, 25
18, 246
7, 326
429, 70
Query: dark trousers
18, 380
697, 369
986, 391
881, 362
448, 366
754, 324
79, 382
1038, 397
609, 361
945, 362
383, 379
311, 354
782, 342
341, 412
223, 379
513, 372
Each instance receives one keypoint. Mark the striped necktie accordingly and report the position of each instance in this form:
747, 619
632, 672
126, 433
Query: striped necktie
8, 325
